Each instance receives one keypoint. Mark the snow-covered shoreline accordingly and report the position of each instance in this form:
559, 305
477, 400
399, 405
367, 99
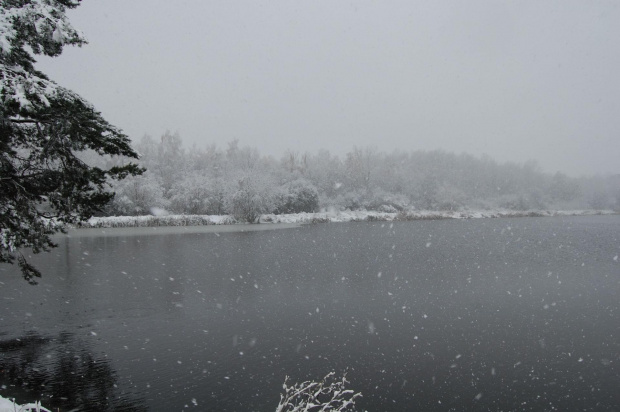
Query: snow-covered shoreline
324, 217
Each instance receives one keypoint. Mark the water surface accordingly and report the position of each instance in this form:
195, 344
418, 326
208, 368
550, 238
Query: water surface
498, 314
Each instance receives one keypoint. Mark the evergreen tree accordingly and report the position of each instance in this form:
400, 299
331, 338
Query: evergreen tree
43, 129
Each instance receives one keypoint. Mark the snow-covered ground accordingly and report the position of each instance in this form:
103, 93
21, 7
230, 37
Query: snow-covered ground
160, 220
323, 217
7, 405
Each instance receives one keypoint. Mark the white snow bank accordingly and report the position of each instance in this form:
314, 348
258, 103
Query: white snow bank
360, 216
7, 405
324, 217
164, 220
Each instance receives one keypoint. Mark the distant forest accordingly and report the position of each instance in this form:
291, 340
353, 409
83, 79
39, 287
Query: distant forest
240, 181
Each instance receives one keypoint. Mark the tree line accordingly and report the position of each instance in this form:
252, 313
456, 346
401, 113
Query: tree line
240, 181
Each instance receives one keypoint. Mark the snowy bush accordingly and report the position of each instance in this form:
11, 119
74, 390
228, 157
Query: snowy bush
137, 196
353, 200
296, 197
383, 201
448, 197
521, 202
251, 198
329, 394
192, 195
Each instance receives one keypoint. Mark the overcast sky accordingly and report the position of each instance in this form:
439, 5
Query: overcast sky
516, 80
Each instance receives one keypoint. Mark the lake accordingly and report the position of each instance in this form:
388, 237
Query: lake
486, 314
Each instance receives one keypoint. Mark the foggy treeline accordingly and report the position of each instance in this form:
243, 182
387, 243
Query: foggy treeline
242, 182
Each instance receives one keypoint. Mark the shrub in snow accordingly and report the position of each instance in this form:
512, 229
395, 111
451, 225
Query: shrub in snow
516, 202
562, 188
137, 196
192, 195
448, 197
387, 209
600, 201
383, 201
251, 198
353, 200
329, 394
296, 197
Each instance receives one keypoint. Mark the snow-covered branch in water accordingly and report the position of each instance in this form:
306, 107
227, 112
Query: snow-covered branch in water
7, 405
329, 394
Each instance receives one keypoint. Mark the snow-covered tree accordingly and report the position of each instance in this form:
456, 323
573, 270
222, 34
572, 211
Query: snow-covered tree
251, 196
193, 195
138, 195
326, 171
170, 163
43, 128
360, 166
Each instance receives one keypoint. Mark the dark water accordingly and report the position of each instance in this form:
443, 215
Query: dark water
490, 314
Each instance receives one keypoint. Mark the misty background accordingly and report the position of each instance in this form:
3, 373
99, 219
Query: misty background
240, 181
513, 80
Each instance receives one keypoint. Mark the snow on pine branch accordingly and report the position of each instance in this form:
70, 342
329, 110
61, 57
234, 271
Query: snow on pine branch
32, 93
327, 395
45, 20
7, 240
39, 27
27, 90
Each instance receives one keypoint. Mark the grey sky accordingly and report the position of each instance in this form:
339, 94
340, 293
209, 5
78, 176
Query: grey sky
516, 80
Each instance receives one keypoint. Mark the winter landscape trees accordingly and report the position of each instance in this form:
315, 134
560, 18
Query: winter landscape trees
52, 142
43, 129
241, 182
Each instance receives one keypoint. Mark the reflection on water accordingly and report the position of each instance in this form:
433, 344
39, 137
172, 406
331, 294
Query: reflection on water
506, 314
61, 372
